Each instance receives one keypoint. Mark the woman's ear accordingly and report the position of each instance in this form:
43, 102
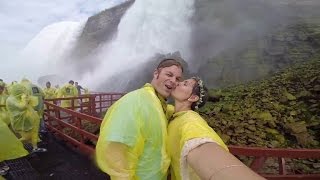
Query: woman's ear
193, 98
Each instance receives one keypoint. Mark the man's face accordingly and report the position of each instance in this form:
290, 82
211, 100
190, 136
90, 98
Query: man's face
48, 85
166, 79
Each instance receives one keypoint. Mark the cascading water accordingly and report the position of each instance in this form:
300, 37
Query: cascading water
49, 47
147, 28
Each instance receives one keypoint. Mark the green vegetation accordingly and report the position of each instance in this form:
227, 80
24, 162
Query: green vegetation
281, 111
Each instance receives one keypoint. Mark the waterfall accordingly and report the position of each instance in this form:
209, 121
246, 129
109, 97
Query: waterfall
47, 49
147, 28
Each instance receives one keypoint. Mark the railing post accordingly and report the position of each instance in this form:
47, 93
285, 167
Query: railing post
93, 105
78, 124
257, 163
100, 103
72, 104
282, 166
58, 115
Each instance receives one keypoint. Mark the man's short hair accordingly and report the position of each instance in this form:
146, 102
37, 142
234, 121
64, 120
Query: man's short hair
169, 62
71, 82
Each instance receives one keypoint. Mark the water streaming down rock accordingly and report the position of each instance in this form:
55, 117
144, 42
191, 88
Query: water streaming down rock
48, 48
147, 28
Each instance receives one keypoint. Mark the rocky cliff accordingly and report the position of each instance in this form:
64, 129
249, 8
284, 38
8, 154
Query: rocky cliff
98, 30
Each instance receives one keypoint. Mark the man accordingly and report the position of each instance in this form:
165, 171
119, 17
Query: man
49, 92
4, 116
133, 133
36, 91
78, 88
66, 91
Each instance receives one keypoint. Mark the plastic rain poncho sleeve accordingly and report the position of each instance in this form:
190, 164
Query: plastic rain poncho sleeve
49, 93
4, 115
132, 138
188, 129
11, 147
37, 93
65, 92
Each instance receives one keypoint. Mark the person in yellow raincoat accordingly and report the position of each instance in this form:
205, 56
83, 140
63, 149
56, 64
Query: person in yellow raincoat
4, 116
49, 92
10, 146
24, 119
5, 91
196, 150
37, 92
133, 134
66, 91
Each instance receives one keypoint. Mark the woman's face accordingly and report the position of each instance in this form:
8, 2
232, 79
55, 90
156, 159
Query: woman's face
183, 91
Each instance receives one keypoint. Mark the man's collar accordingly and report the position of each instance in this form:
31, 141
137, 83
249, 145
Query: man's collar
161, 98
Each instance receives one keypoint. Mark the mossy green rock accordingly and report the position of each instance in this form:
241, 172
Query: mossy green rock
266, 116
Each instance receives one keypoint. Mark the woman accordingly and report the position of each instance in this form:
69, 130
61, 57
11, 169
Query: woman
196, 151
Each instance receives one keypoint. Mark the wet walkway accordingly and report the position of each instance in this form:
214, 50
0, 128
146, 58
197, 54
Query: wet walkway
59, 163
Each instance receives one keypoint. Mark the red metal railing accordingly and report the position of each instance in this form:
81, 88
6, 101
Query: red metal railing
262, 154
86, 108
58, 119
91, 106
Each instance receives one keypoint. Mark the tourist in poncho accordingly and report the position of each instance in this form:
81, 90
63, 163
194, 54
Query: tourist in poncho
196, 150
133, 134
24, 119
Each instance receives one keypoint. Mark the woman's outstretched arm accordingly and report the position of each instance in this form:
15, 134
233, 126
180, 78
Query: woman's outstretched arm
210, 162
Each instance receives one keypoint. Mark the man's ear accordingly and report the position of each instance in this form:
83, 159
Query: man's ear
193, 98
156, 73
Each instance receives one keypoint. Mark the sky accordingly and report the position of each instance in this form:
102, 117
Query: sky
21, 20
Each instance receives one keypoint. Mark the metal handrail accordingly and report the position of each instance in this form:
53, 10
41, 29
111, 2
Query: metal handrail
73, 120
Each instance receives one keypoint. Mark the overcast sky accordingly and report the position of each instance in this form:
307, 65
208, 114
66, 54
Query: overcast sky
21, 20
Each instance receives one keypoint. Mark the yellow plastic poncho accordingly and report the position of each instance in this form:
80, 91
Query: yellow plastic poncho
4, 116
5, 91
49, 93
24, 119
10, 146
65, 92
136, 126
35, 91
187, 126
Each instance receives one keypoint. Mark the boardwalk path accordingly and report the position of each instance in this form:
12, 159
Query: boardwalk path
59, 163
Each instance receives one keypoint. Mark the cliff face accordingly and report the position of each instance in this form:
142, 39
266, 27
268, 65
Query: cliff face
236, 42
99, 29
